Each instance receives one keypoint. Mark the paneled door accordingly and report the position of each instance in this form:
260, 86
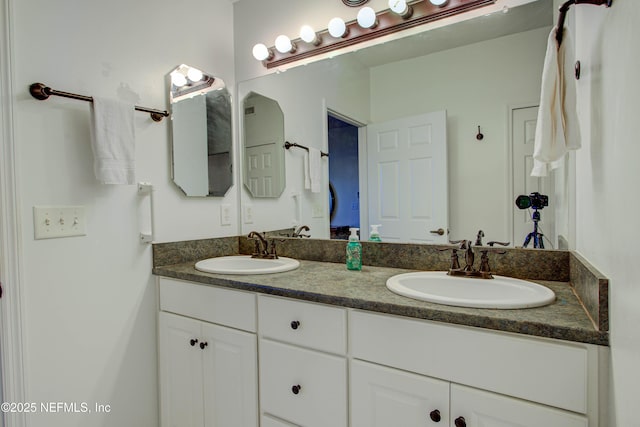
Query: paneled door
523, 127
407, 178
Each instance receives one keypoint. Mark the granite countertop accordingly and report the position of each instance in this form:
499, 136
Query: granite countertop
332, 283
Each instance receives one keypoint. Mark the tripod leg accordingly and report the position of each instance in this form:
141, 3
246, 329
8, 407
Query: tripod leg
527, 240
541, 241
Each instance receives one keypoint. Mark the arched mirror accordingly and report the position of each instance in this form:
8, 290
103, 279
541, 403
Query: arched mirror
263, 130
202, 160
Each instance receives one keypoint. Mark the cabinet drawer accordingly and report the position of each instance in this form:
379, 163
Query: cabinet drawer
227, 307
303, 386
534, 369
305, 324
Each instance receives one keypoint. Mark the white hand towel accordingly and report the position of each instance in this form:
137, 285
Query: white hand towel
557, 128
113, 141
307, 174
315, 169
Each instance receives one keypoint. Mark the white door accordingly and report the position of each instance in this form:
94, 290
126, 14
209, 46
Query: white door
523, 134
230, 377
385, 397
262, 166
180, 371
481, 408
407, 178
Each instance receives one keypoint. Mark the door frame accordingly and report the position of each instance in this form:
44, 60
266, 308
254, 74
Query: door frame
11, 307
509, 169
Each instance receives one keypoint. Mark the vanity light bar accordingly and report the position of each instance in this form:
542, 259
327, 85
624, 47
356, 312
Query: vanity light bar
388, 23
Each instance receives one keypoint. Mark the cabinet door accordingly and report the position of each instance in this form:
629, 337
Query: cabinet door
385, 397
230, 377
180, 371
481, 408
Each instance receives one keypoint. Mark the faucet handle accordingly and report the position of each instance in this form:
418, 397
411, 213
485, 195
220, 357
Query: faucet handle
498, 243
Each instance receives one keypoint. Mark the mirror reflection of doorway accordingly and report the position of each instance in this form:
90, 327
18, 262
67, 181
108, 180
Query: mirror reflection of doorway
344, 194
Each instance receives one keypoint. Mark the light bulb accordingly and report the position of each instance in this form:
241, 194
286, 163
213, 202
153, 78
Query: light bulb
337, 28
194, 74
178, 79
308, 34
401, 8
367, 18
284, 44
439, 2
262, 52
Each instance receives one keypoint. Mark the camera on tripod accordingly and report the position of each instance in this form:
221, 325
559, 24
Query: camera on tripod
534, 200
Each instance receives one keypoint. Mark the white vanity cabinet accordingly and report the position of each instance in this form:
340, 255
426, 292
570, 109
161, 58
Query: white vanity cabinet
303, 365
207, 356
437, 374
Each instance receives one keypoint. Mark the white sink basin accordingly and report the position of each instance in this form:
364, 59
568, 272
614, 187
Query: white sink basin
499, 292
244, 264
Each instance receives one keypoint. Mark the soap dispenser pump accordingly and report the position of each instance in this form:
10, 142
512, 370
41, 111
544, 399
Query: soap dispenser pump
354, 251
374, 236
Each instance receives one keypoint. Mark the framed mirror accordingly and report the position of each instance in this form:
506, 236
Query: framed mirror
201, 131
263, 145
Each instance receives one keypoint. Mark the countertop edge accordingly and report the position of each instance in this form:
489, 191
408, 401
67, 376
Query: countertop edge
537, 329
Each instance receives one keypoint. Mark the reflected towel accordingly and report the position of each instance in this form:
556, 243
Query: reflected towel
557, 128
307, 175
113, 141
315, 171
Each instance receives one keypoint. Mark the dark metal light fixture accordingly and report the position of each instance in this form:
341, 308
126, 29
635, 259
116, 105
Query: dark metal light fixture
388, 22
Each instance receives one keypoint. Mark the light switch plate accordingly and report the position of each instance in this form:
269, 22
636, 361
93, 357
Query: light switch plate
248, 214
225, 214
58, 221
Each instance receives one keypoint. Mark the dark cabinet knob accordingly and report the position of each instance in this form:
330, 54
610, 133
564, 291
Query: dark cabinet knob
193, 341
460, 422
435, 416
296, 389
203, 345
295, 324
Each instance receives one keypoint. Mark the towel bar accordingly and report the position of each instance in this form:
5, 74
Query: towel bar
42, 92
288, 145
565, 8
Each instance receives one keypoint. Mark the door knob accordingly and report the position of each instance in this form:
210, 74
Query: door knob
439, 231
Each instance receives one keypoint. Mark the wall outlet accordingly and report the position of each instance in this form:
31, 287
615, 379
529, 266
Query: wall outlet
225, 214
248, 214
58, 221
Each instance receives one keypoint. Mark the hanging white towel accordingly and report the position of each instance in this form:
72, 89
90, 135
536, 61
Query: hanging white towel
315, 169
557, 128
307, 174
113, 141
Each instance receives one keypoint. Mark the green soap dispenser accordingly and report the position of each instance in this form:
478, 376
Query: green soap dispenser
354, 251
374, 236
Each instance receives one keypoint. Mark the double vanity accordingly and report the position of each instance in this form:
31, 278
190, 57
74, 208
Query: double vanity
319, 345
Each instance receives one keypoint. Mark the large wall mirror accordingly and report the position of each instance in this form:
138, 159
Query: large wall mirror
484, 72
263, 144
201, 130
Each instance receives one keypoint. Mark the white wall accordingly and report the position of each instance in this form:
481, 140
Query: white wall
607, 176
89, 302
